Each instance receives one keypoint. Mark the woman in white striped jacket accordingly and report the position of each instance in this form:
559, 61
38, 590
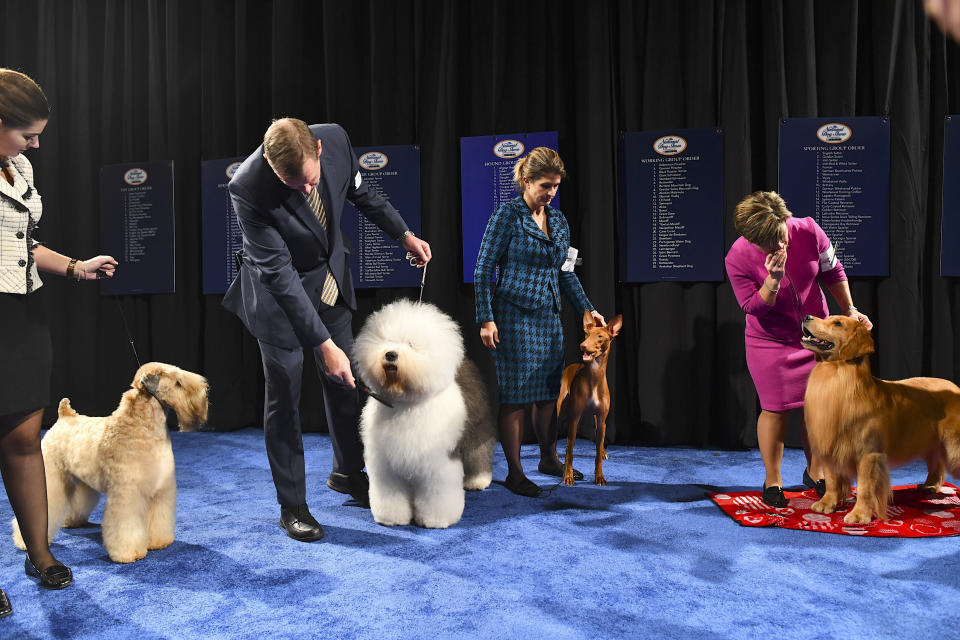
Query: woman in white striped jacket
24, 337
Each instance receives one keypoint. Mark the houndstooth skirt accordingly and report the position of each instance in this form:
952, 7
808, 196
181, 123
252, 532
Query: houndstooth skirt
529, 357
27, 354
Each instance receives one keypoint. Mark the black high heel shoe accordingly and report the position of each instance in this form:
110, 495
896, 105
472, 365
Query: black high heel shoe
56, 576
773, 496
5, 608
820, 486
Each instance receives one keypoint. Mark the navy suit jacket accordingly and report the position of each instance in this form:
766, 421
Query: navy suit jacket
286, 253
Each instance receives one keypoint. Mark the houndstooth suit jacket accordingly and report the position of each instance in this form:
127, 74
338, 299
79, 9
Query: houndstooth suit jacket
528, 262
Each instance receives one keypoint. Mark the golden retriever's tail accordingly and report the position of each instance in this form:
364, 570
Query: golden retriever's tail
65, 410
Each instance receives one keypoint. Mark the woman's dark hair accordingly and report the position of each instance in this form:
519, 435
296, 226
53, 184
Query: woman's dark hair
22, 102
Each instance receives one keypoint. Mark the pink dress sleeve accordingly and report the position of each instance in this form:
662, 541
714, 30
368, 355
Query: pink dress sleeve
743, 279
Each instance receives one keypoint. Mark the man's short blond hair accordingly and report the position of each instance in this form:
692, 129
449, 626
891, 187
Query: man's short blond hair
287, 145
759, 217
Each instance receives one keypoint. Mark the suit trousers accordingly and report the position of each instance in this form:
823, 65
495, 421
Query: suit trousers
282, 372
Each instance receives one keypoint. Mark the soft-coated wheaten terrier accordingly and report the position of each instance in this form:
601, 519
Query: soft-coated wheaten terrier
127, 456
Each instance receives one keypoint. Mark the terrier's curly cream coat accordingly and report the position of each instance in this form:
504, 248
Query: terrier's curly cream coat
127, 456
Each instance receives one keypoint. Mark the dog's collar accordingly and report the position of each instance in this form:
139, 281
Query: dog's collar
373, 395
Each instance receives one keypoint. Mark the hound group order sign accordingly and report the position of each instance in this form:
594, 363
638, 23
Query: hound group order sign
838, 171
486, 182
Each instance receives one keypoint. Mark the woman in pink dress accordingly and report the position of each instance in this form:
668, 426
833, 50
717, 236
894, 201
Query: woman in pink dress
774, 268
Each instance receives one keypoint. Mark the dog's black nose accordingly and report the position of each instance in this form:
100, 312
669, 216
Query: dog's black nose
807, 317
390, 356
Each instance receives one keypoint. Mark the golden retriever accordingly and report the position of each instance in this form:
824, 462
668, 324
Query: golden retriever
860, 424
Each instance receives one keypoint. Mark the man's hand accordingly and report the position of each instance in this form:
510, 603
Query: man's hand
336, 365
419, 248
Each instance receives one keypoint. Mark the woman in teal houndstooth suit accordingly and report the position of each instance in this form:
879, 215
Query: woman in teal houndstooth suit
527, 240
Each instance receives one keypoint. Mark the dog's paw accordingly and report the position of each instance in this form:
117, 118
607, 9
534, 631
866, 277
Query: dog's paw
599, 479
928, 488
126, 556
824, 506
159, 543
73, 523
392, 518
858, 516
568, 478
478, 482
436, 523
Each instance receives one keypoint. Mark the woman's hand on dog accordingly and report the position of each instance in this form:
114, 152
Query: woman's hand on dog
336, 365
861, 317
598, 318
489, 334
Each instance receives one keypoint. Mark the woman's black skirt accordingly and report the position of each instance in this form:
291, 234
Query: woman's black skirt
25, 354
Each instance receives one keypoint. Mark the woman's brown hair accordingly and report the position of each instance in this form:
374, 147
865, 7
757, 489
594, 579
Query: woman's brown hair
536, 164
759, 217
22, 102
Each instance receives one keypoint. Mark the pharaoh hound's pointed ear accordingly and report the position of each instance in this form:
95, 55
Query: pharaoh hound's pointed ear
588, 322
613, 327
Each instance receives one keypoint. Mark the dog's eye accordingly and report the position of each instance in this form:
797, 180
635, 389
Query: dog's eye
837, 323
178, 384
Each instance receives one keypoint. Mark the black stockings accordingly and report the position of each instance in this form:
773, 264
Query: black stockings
21, 465
510, 423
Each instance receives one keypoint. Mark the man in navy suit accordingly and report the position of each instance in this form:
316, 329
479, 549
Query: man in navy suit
294, 290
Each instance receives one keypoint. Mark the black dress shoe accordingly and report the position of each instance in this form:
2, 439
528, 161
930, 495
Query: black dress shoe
820, 486
56, 576
550, 470
773, 496
357, 485
5, 608
299, 524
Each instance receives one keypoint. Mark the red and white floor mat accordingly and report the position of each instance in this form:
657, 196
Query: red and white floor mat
911, 515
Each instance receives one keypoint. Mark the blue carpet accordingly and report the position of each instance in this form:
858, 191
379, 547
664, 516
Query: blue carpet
647, 556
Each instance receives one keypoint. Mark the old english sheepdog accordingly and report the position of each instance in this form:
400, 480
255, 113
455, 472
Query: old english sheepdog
437, 438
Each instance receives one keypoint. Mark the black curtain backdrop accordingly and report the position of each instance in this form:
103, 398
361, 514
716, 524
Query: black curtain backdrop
189, 81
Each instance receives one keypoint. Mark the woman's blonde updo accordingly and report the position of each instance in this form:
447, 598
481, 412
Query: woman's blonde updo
760, 216
536, 164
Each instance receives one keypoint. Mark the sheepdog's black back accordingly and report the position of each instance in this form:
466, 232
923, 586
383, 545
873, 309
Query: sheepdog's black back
480, 427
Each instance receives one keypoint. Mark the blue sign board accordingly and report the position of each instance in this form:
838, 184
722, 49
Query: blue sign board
950, 225
375, 259
136, 227
221, 231
838, 171
486, 182
671, 206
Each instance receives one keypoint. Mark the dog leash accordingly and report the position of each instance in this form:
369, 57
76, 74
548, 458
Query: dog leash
127, 331
412, 259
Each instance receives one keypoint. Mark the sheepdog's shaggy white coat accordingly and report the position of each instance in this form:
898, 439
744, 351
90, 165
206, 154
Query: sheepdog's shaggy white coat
127, 456
438, 437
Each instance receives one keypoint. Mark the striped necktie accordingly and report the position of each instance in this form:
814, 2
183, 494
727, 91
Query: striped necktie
329, 294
